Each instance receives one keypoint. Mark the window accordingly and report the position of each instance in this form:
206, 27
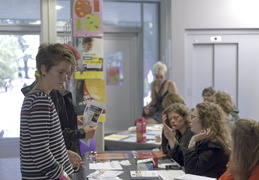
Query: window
151, 46
122, 14
17, 67
20, 32
138, 14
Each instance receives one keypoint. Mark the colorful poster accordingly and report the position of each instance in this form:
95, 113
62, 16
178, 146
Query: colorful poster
91, 50
87, 18
114, 70
88, 90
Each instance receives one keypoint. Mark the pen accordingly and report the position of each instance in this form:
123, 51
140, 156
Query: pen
168, 127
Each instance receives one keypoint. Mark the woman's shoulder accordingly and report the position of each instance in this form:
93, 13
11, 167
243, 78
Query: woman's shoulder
36, 95
210, 144
169, 82
153, 84
171, 86
255, 173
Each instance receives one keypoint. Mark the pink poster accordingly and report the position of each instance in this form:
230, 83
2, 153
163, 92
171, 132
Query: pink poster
87, 18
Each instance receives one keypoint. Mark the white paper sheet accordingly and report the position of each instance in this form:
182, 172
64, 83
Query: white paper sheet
114, 165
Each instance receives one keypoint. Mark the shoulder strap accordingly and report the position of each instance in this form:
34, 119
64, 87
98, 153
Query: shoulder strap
161, 88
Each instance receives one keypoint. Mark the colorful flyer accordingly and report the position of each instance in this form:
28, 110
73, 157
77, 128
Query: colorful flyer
114, 68
87, 18
88, 90
91, 50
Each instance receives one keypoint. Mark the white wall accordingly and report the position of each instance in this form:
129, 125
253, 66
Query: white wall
205, 14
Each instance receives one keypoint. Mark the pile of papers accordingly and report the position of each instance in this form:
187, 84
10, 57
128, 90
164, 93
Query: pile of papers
144, 175
105, 175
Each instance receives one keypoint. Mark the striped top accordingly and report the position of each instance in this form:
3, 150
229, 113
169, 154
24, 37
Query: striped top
42, 149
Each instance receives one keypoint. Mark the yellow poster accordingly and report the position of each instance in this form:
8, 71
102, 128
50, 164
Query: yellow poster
88, 90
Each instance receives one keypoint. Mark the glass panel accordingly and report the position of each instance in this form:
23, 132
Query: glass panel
17, 67
63, 12
29, 12
151, 46
121, 14
20, 12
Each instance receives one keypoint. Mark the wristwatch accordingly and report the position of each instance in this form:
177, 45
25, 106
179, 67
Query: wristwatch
63, 176
82, 133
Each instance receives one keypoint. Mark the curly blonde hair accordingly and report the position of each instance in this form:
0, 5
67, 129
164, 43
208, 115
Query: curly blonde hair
224, 100
245, 148
211, 116
159, 68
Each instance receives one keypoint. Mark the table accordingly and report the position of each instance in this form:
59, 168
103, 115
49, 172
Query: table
126, 140
129, 155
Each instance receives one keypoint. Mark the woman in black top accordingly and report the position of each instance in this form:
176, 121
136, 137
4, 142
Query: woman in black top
178, 119
159, 89
208, 151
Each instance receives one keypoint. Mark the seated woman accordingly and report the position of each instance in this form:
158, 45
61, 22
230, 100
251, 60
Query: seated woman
208, 93
178, 119
159, 89
244, 164
208, 151
168, 100
224, 100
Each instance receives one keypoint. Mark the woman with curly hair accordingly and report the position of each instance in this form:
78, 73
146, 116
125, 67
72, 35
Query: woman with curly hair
169, 99
178, 118
244, 164
209, 149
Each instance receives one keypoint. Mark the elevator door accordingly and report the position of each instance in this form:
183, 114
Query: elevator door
229, 63
214, 65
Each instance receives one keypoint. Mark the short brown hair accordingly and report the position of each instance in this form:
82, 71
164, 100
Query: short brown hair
52, 54
210, 90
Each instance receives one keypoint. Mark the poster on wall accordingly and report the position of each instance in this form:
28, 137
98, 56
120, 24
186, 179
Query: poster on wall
87, 18
91, 50
86, 92
114, 69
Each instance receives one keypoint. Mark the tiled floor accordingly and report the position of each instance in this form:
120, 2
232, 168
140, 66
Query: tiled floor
10, 168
